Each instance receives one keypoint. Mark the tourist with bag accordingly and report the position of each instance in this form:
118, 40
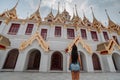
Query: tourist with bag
74, 63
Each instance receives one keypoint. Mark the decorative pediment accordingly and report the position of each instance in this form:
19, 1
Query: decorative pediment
107, 47
76, 41
4, 42
65, 16
86, 22
58, 20
50, 17
10, 14
37, 37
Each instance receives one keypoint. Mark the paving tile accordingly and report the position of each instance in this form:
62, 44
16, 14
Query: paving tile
56, 76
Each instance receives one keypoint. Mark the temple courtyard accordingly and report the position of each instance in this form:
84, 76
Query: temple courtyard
57, 76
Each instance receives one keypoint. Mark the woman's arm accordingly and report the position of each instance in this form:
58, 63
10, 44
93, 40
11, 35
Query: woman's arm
70, 60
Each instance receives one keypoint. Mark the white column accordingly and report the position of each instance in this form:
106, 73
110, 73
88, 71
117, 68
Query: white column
89, 66
101, 37
44, 62
110, 63
68, 57
20, 64
3, 56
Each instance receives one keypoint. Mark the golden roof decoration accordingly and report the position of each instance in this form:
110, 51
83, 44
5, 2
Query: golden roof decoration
65, 16
10, 14
107, 47
36, 16
76, 41
37, 37
96, 24
111, 25
86, 22
50, 17
76, 20
4, 42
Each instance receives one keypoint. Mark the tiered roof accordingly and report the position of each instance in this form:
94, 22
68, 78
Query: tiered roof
63, 18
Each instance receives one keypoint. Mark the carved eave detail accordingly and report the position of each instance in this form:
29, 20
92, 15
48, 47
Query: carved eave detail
65, 16
9, 14
49, 17
107, 47
76, 22
58, 19
37, 37
97, 25
36, 16
112, 27
76, 41
86, 22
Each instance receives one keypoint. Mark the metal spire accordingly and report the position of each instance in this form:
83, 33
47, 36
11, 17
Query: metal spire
83, 13
76, 10
58, 6
73, 13
39, 5
107, 14
92, 13
16, 4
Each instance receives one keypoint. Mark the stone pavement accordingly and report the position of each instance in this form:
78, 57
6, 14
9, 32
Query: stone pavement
56, 76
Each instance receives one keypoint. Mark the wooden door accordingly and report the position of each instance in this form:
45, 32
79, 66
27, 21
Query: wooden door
57, 61
11, 59
96, 63
34, 60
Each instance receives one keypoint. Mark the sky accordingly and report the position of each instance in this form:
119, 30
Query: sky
26, 7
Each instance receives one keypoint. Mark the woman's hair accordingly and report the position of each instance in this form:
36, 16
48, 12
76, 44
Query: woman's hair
74, 54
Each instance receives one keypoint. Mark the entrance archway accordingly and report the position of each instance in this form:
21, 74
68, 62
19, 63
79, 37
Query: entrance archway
34, 60
96, 62
83, 61
56, 61
11, 59
116, 61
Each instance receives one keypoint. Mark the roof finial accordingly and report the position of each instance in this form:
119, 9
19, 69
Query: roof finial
83, 13
39, 4
76, 10
73, 12
51, 8
16, 4
58, 6
107, 14
92, 12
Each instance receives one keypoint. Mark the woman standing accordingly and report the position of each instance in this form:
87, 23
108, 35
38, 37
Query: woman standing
74, 63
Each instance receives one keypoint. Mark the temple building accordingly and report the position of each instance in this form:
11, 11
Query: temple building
34, 44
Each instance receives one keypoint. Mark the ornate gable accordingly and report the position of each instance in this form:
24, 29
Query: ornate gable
76, 41
107, 47
10, 14
50, 17
65, 16
112, 26
37, 37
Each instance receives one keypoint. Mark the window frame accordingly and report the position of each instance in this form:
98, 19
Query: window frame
57, 31
105, 34
29, 29
83, 33
13, 30
70, 36
42, 32
94, 35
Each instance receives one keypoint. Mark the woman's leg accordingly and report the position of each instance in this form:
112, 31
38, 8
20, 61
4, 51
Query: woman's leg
77, 75
73, 75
